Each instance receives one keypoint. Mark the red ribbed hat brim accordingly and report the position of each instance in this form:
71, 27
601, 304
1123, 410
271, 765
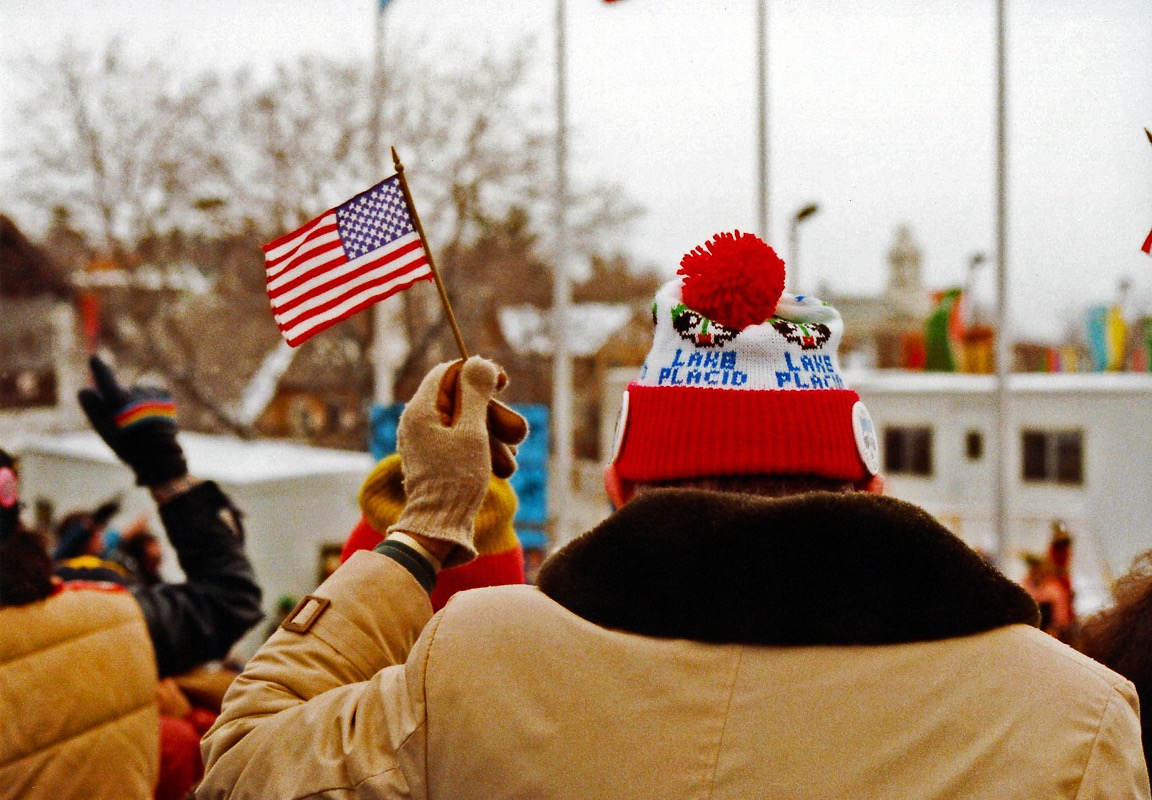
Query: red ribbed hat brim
687, 432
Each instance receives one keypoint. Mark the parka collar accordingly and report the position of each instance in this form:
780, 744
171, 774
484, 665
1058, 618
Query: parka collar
812, 569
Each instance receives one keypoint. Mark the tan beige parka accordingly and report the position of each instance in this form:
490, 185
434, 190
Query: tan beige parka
509, 693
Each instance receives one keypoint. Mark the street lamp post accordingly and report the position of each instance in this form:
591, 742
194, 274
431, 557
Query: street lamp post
974, 262
793, 270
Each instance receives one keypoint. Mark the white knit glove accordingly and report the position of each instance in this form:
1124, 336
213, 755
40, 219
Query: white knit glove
446, 459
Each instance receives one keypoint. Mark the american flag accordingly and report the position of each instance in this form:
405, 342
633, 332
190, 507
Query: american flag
348, 258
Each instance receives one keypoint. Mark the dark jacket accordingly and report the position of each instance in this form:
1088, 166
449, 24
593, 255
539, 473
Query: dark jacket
199, 620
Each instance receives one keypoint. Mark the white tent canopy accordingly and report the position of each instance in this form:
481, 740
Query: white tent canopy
298, 501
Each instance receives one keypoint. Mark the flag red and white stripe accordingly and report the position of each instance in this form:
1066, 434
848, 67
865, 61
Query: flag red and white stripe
1147, 248
354, 255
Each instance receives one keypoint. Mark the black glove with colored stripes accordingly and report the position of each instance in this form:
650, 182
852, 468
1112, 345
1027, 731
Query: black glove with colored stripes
138, 423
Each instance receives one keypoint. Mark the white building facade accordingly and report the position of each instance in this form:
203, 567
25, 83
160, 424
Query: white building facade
1079, 450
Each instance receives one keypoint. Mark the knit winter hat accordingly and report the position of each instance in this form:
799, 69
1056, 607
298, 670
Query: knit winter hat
742, 379
500, 560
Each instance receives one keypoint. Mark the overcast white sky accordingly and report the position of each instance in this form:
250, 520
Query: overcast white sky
881, 111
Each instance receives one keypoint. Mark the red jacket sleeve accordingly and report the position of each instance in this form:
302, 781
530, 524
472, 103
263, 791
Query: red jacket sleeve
362, 537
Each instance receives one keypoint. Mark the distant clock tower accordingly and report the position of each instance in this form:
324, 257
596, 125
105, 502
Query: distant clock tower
905, 291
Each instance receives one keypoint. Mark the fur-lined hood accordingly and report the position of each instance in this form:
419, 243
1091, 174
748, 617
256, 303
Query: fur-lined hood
813, 569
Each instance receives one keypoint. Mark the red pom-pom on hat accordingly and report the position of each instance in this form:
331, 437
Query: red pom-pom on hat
735, 279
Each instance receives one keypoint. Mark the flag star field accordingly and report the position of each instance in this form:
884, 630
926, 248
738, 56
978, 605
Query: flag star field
373, 219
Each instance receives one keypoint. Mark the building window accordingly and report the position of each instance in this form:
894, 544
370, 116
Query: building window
1052, 456
27, 388
908, 451
974, 445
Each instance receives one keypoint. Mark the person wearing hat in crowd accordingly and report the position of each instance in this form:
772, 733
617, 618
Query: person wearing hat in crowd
1060, 561
1048, 580
754, 620
80, 660
1039, 582
499, 556
80, 546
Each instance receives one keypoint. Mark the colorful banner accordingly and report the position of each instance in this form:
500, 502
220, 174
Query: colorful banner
1146, 342
942, 332
530, 481
1107, 335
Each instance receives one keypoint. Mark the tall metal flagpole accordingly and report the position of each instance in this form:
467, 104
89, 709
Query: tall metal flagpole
561, 299
762, 118
1003, 339
388, 340
377, 88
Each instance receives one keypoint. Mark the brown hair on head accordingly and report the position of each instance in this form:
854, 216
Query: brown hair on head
1120, 637
25, 568
759, 485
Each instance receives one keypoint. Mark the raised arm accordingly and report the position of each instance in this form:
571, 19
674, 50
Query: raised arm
198, 620
338, 691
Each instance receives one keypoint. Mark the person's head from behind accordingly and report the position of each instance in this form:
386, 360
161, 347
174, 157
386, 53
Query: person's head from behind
500, 558
742, 389
81, 533
25, 566
1120, 636
143, 548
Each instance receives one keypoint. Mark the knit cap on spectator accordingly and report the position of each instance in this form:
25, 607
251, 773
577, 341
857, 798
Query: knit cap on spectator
742, 378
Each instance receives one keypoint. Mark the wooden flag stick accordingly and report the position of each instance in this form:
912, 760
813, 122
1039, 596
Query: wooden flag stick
431, 263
